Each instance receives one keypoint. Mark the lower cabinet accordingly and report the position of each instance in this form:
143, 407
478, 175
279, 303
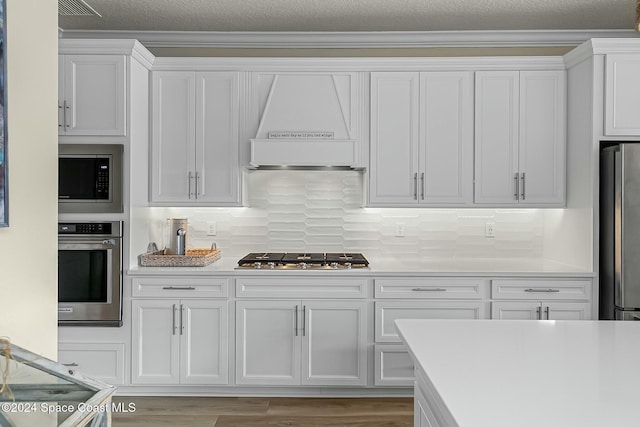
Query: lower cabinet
102, 361
301, 342
180, 342
393, 366
539, 310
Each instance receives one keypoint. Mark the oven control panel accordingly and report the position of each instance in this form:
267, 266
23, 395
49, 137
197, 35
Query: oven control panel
109, 228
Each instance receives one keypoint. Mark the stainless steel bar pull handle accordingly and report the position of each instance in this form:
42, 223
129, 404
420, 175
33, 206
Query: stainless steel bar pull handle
70, 364
422, 185
189, 179
429, 290
295, 320
517, 185
181, 319
539, 313
66, 108
179, 288
173, 321
542, 290
197, 184
304, 320
522, 179
61, 112
415, 186
546, 311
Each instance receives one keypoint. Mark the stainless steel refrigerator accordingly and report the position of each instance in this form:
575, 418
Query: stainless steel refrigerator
620, 232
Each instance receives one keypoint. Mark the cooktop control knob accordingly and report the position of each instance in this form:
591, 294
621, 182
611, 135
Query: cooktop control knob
271, 265
347, 264
257, 264
303, 265
334, 265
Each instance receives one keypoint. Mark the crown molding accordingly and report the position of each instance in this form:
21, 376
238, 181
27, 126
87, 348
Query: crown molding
359, 64
352, 40
108, 47
601, 46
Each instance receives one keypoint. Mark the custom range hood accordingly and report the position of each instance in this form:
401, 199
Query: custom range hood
307, 120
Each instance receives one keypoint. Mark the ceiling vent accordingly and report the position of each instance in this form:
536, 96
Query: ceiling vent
75, 8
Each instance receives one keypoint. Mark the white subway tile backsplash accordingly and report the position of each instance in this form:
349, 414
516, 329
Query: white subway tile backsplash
322, 211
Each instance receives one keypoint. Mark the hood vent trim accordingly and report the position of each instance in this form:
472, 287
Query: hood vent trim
304, 153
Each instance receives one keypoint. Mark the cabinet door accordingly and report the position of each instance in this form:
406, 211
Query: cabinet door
393, 177
156, 342
542, 144
393, 366
204, 342
387, 312
173, 137
334, 337
267, 342
622, 91
567, 311
216, 152
103, 361
95, 94
518, 310
496, 132
446, 136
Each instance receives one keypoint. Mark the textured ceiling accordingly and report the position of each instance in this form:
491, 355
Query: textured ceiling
354, 15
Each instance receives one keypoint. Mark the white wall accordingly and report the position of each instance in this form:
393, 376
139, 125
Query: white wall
28, 248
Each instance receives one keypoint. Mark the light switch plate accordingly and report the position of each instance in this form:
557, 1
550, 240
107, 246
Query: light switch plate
212, 228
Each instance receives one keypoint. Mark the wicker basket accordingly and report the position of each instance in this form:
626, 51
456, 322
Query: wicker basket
193, 258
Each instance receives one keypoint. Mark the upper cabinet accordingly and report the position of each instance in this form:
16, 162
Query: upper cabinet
520, 138
421, 139
92, 95
622, 91
195, 138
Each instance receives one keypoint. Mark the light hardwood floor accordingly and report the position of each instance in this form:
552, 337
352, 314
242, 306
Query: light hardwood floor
264, 412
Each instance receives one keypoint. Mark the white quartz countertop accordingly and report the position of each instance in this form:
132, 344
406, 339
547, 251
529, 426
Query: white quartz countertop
391, 266
520, 373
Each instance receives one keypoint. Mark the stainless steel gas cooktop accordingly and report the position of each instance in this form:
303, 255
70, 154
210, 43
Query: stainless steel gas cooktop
303, 261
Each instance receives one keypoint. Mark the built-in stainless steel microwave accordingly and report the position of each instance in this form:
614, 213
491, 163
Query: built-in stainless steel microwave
90, 178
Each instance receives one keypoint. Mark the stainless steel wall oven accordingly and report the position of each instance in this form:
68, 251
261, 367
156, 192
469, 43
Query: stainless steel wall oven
90, 273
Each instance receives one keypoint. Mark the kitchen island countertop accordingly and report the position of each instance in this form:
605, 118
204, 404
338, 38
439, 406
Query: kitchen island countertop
483, 373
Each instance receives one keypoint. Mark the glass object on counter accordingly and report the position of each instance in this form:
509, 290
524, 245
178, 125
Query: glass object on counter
37, 391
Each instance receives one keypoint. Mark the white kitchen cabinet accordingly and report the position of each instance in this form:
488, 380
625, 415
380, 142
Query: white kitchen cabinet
180, 341
195, 129
421, 138
103, 361
541, 299
520, 138
92, 93
393, 366
387, 312
540, 310
301, 342
622, 91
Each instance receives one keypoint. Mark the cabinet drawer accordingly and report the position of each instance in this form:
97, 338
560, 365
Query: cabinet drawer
541, 289
102, 361
393, 365
431, 288
301, 288
185, 287
387, 312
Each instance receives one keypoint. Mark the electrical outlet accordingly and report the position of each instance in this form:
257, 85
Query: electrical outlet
490, 229
399, 229
212, 228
